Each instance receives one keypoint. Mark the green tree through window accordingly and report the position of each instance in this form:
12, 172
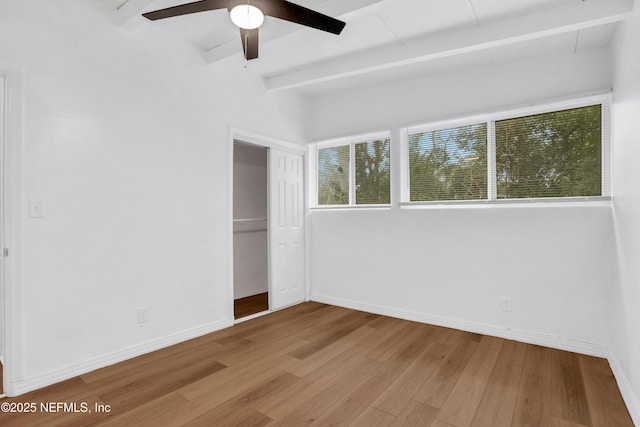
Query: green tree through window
333, 176
370, 168
372, 172
556, 154
449, 164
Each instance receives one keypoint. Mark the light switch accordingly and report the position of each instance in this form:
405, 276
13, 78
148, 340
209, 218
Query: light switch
36, 209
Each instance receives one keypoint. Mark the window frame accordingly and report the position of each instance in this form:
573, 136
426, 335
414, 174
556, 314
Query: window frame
351, 142
604, 100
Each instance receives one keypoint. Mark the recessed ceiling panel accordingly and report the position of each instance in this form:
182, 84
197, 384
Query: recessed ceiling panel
546, 46
596, 37
488, 10
410, 18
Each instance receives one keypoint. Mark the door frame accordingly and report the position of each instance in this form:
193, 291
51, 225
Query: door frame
258, 140
12, 205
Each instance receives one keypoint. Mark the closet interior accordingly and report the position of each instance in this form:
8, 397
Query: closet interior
250, 230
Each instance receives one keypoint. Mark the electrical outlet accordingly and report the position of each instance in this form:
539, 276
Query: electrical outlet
143, 315
506, 303
36, 209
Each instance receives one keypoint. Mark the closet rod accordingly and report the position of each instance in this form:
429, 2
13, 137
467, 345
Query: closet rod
256, 230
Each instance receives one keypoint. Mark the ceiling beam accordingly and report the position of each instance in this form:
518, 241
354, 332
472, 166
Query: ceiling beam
337, 8
551, 21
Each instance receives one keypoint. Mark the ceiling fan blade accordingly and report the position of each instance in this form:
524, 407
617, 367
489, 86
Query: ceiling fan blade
301, 15
249, 43
184, 9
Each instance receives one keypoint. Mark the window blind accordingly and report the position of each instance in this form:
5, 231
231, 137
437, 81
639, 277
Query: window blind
373, 172
557, 154
448, 164
333, 176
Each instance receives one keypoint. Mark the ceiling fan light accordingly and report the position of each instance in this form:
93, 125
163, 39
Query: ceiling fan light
247, 16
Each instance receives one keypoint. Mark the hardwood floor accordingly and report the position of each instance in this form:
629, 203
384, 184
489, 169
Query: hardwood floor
250, 305
314, 364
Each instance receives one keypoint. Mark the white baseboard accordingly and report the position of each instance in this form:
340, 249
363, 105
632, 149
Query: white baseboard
633, 405
528, 337
67, 372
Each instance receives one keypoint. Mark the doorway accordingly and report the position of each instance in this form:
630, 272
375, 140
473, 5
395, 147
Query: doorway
268, 223
250, 230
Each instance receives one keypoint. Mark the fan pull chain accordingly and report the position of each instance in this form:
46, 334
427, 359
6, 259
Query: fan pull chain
246, 42
246, 49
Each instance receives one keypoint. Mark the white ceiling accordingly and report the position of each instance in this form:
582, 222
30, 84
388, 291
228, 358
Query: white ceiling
391, 39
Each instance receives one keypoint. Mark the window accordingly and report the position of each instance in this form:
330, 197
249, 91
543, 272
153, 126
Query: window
557, 154
333, 176
552, 154
373, 172
449, 164
356, 173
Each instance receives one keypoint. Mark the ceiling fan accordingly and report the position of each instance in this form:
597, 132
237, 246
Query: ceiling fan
249, 15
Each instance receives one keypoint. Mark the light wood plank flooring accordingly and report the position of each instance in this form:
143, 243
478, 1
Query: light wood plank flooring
315, 364
243, 307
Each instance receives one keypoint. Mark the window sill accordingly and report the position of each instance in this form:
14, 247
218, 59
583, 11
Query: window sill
511, 203
350, 207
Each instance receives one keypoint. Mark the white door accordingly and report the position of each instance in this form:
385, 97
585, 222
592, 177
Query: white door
286, 229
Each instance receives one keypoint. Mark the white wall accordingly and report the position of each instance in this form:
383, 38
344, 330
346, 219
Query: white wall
626, 110
127, 144
453, 265
250, 238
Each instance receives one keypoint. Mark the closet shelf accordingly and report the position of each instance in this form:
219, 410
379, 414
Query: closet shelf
249, 219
